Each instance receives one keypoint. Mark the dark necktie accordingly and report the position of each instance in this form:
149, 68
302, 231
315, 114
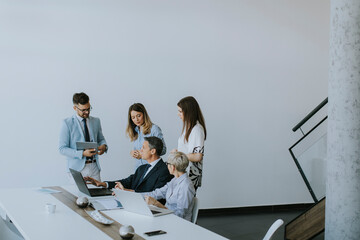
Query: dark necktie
87, 136
146, 168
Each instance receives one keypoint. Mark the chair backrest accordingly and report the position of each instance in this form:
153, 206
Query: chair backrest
275, 226
195, 210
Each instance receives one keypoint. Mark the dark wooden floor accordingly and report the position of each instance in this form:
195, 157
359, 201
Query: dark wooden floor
249, 226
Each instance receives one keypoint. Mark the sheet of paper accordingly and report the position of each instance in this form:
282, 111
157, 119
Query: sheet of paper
106, 204
47, 190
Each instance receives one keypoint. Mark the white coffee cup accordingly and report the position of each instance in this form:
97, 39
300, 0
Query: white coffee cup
50, 208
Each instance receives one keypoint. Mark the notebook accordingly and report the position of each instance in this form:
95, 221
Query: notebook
82, 186
134, 202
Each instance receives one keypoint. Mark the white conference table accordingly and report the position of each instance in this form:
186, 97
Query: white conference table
26, 209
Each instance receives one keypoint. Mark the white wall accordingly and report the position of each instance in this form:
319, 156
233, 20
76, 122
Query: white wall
256, 68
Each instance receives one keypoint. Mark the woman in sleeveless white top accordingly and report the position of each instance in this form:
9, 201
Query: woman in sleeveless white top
194, 145
191, 141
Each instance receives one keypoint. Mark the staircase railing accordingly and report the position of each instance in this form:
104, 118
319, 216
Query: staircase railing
305, 135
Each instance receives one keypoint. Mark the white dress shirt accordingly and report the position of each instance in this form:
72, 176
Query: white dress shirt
152, 164
82, 126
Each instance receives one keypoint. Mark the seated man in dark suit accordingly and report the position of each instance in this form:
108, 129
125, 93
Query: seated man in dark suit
147, 177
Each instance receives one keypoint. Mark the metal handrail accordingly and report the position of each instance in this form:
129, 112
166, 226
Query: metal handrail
312, 113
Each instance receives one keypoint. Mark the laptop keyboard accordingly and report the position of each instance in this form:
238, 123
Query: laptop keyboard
155, 212
100, 191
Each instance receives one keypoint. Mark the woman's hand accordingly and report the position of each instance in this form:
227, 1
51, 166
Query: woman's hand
195, 157
132, 153
135, 154
150, 200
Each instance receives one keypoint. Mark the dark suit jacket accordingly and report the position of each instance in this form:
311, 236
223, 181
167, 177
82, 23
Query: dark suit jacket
156, 178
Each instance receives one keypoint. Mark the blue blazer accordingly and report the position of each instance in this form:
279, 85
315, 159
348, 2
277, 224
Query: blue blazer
70, 133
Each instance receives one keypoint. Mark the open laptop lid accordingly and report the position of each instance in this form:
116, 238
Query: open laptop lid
82, 186
134, 202
80, 182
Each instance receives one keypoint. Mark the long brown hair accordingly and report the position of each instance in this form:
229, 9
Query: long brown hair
146, 127
192, 113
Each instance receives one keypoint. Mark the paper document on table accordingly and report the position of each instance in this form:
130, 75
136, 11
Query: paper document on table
106, 204
47, 190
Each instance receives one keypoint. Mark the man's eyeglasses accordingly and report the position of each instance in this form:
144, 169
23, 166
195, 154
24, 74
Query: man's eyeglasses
84, 110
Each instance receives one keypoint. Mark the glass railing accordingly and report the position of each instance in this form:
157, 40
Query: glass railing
313, 164
309, 154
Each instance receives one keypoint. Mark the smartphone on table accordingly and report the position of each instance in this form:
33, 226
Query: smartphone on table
154, 233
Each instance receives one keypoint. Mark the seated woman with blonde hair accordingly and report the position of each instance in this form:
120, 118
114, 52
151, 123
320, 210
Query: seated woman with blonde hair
179, 192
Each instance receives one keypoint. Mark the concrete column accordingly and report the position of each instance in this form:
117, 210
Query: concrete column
343, 165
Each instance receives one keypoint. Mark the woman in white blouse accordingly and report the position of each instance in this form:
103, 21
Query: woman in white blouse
193, 135
179, 192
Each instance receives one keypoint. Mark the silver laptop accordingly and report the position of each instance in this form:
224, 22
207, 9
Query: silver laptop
134, 202
81, 184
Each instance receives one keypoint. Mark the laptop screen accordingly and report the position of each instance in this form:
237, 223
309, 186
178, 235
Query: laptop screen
80, 182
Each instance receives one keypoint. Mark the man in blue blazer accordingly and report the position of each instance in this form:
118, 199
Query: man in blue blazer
81, 127
147, 177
